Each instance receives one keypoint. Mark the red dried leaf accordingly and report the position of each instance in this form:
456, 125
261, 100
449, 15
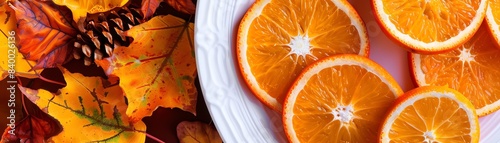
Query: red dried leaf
37, 127
31, 130
45, 32
9, 137
186, 6
148, 7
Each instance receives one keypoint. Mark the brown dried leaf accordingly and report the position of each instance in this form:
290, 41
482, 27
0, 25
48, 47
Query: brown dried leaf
197, 132
148, 7
186, 6
45, 32
36, 127
32, 130
7, 45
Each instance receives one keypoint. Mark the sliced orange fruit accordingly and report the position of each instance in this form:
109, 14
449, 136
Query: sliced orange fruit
473, 69
342, 98
278, 38
429, 26
430, 115
493, 19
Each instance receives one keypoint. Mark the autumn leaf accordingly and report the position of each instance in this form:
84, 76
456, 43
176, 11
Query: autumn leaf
31, 129
89, 112
158, 68
148, 7
7, 40
80, 8
197, 132
37, 127
186, 6
45, 32
7, 18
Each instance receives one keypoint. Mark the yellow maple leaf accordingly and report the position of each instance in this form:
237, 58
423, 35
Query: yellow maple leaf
80, 8
88, 112
158, 68
10, 58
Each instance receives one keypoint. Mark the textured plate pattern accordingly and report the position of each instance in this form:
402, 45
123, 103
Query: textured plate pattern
237, 114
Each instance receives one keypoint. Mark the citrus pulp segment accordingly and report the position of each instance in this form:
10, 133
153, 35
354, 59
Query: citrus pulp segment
429, 26
493, 19
473, 69
278, 38
339, 98
431, 114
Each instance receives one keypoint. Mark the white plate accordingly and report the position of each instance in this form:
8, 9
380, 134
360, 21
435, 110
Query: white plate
237, 114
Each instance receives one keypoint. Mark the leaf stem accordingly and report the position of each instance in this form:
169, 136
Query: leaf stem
96, 121
4, 33
51, 81
154, 138
22, 98
150, 136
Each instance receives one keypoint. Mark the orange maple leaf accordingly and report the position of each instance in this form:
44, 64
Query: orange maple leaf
158, 68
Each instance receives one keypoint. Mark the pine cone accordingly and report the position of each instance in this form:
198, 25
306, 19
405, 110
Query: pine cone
101, 33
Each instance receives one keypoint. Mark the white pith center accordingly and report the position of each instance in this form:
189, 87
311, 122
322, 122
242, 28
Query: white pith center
429, 137
343, 113
465, 55
300, 45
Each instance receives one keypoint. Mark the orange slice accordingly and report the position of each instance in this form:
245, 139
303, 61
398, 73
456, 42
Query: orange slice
429, 115
278, 38
430, 26
493, 19
473, 69
342, 98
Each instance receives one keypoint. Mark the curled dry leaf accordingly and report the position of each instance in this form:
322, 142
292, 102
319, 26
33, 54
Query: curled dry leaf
45, 32
30, 94
80, 8
197, 132
158, 68
7, 40
89, 112
30, 130
37, 127
186, 6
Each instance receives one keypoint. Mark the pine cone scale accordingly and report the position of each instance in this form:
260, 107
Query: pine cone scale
103, 32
